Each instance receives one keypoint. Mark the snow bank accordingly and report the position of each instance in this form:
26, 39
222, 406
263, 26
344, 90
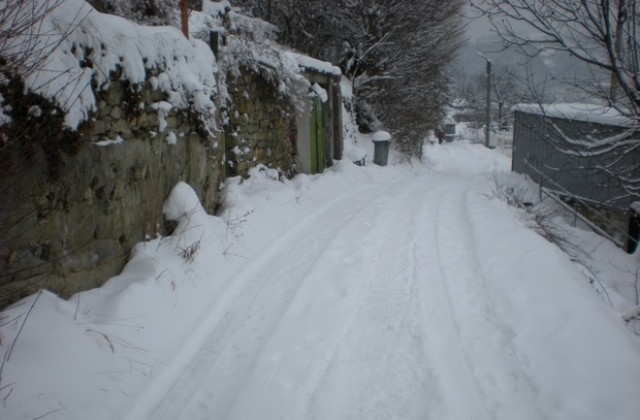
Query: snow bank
563, 334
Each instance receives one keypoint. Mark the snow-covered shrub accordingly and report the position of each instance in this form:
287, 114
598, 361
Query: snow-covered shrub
148, 12
251, 47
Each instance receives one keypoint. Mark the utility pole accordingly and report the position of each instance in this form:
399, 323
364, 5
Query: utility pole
184, 17
487, 128
614, 86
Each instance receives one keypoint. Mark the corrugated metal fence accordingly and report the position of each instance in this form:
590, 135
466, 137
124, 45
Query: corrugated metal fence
594, 177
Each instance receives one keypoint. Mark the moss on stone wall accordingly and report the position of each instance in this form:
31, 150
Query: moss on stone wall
73, 231
35, 124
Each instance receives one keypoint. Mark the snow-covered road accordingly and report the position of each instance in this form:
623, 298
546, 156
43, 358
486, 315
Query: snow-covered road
374, 306
368, 293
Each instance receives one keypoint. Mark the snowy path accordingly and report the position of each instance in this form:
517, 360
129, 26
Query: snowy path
355, 313
405, 292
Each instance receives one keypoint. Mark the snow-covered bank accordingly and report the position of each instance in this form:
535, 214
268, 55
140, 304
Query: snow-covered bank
366, 292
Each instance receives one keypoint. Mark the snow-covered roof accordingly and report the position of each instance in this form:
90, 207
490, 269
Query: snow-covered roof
592, 113
315, 65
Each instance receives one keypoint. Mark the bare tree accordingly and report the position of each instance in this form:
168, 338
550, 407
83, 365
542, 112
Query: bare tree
507, 90
603, 34
402, 65
396, 53
24, 43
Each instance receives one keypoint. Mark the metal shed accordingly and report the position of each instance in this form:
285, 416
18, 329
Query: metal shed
568, 147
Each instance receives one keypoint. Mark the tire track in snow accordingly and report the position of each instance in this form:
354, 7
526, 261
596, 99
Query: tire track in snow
295, 392
168, 394
379, 369
399, 352
475, 345
459, 389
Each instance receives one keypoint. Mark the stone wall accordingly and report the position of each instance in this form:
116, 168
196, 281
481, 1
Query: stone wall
73, 228
70, 215
261, 126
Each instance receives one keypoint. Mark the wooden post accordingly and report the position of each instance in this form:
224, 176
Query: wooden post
184, 17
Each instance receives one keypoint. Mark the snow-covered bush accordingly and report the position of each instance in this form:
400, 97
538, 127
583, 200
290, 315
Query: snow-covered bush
148, 12
249, 45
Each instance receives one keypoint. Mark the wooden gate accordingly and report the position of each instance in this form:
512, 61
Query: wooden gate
317, 136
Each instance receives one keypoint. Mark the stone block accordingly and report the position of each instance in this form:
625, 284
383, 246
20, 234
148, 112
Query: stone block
157, 96
120, 127
98, 128
172, 121
116, 113
260, 153
114, 94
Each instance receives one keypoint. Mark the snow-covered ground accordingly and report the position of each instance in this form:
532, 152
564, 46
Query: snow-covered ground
400, 292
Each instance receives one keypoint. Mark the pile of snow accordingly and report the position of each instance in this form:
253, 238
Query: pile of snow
89, 46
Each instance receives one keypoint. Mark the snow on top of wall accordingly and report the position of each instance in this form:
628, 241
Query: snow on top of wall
315, 65
248, 44
99, 44
319, 90
213, 8
578, 112
88, 47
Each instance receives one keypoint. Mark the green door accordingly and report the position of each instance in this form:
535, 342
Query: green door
317, 136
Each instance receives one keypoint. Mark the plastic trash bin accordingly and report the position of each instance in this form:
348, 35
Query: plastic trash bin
382, 143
